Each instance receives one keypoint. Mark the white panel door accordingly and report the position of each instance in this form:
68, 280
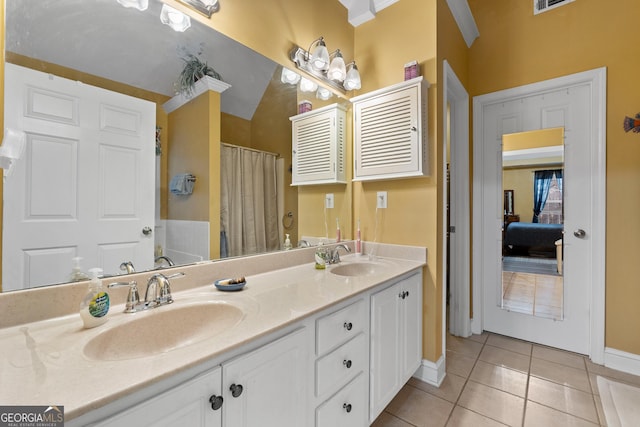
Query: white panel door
85, 183
570, 108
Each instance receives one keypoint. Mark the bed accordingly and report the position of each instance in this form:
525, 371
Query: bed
532, 239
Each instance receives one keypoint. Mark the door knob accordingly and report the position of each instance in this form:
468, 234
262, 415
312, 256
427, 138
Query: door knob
580, 233
147, 231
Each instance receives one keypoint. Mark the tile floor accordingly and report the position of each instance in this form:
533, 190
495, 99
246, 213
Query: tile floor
495, 381
535, 294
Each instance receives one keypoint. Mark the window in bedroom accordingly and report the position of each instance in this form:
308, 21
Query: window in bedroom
552, 212
548, 193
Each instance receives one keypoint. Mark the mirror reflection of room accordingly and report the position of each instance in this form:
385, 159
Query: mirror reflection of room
532, 182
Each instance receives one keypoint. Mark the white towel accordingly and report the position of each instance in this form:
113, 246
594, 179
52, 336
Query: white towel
182, 184
12, 148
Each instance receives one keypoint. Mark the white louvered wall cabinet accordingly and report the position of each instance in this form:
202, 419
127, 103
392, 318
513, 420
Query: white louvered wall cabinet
318, 146
390, 132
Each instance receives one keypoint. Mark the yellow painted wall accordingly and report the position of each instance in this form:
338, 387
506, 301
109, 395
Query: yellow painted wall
517, 48
401, 33
194, 135
235, 130
533, 139
520, 180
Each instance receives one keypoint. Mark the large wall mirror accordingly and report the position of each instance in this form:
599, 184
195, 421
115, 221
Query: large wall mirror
125, 50
532, 180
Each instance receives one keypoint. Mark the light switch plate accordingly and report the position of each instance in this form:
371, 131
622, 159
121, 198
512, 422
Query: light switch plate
328, 201
381, 200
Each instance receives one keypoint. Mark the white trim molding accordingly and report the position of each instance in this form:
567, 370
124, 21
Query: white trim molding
622, 361
432, 372
464, 18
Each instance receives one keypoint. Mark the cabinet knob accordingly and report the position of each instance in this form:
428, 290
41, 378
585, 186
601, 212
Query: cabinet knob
347, 407
216, 402
348, 326
236, 390
347, 363
414, 129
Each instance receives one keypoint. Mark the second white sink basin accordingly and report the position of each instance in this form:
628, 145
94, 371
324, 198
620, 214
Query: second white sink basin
357, 269
162, 329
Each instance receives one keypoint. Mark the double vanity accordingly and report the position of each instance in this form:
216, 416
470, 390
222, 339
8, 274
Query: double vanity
295, 347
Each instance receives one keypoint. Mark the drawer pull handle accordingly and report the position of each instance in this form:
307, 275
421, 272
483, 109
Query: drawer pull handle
347, 363
236, 390
347, 407
348, 326
216, 402
403, 294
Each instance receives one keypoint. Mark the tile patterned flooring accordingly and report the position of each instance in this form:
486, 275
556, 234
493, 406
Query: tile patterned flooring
535, 294
496, 381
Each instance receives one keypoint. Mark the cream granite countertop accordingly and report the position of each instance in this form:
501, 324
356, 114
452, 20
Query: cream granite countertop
43, 362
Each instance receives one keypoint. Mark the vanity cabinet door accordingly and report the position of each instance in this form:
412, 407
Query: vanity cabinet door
269, 387
396, 340
189, 404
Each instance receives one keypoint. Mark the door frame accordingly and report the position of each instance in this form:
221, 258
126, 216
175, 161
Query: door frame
596, 123
457, 98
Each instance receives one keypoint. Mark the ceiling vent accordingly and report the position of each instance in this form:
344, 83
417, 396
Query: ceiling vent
540, 6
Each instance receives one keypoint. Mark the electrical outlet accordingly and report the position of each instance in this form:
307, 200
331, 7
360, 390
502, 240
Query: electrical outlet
328, 201
381, 200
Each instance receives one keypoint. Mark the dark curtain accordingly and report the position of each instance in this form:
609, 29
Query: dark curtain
559, 179
541, 185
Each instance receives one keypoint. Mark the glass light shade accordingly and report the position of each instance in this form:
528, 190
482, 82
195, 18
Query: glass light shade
352, 81
289, 77
323, 93
337, 70
307, 85
320, 57
137, 4
209, 3
174, 18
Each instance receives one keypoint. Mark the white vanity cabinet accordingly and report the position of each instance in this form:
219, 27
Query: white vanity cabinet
187, 405
396, 340
265, 387
318, 146
390, 132
268, 387
342, 366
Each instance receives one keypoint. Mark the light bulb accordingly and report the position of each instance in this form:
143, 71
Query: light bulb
307, 85
289, 77
337, 70
323, 93
320, 57
352, 81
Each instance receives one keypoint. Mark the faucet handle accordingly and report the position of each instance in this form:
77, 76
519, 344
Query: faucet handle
133, 297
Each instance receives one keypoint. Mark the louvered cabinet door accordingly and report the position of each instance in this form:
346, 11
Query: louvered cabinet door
390, 132
318, 146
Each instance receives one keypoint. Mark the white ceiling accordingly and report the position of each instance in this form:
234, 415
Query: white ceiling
102, 38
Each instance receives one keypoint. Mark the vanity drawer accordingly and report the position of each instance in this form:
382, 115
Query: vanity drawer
348, 408
341, 365
340, 326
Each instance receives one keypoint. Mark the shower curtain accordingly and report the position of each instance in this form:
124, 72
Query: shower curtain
248, 202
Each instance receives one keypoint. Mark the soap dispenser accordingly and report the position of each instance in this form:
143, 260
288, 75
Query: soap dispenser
77, 275
287, 243
95, 305
321, 257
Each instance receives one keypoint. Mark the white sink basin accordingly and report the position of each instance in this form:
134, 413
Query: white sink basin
357, 269
163, 329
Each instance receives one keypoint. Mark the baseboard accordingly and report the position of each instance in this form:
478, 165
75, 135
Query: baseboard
622, 361
431, 372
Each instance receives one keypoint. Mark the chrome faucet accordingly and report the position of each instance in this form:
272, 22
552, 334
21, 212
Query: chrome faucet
164, 258
303, 244
158, 292
334, 256
128, 267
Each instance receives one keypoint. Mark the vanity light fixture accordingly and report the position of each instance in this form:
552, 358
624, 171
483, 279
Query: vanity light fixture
205, 7
317, 63
174, 18
137, 4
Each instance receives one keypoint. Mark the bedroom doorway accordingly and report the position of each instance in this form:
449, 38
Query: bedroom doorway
531, 250
575, 103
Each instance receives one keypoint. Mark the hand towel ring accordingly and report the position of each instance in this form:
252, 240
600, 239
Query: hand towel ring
288, 220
